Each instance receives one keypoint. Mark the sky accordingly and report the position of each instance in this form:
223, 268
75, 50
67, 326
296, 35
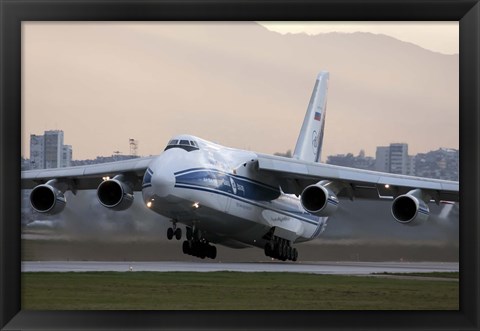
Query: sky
104, 83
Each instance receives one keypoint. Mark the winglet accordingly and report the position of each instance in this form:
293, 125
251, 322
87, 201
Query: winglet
309, 143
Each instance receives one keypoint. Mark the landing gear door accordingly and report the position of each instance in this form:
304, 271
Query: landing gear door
284, 234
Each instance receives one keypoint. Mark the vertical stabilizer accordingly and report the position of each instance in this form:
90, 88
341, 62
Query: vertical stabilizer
309, 143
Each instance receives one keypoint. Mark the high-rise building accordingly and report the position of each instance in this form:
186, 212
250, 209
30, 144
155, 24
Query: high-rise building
53, 148
66, 156
394, 159
36, 152
382, 159
48, 151
399, 162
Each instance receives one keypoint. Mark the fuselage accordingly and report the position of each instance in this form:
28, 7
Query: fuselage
218, 190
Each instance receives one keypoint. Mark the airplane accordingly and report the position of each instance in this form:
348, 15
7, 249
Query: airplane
239, 198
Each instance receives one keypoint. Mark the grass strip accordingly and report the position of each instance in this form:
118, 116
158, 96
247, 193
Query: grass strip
446, 275
231, 291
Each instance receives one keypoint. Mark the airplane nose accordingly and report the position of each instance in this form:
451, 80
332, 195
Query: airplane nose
159, 181
163, 182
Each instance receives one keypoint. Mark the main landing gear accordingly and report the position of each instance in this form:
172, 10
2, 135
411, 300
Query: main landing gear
280, 249
198, 246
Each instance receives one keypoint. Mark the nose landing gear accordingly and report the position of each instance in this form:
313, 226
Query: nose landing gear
174, 231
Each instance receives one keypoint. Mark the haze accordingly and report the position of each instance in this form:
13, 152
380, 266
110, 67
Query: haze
238, 84
436, 36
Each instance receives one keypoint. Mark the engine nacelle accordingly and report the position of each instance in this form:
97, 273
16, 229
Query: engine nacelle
410, 208
115, 194
319, 200
47, 199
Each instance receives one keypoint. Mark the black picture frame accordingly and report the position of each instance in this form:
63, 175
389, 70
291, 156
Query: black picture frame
13, 12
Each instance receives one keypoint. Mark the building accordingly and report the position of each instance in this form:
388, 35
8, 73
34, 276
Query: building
36, 152
25, 164
53, 148
349, 160
394, 159
398, 159
442, 164
48, 151
382, 159
66, 156
103, 159
412, 169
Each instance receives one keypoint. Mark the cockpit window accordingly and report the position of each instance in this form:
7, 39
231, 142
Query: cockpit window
188, 145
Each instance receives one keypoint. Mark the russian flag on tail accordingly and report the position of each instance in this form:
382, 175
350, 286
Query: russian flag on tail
317, 116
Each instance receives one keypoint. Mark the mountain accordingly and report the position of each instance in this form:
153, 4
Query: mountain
238, 84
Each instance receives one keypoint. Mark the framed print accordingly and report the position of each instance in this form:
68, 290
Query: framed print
29, 35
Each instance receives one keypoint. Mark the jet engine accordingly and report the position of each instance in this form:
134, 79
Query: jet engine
47, 199
319, 200
115, 193
411, 208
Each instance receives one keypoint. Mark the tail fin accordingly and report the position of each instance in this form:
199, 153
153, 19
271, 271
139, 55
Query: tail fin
309, 143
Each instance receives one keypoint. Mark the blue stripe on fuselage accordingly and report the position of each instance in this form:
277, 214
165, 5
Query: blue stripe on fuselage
237, 187
228, 183
318, 230
291, 213
147, 178
225, 173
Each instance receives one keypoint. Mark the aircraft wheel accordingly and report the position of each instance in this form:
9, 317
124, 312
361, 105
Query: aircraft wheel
178, 234
271, 247
186, 247
268, 250
284, 252
289, 253
213, 252
209, 251
202, 251
192, 248
279, 251
189, 233
170, 233
295, 255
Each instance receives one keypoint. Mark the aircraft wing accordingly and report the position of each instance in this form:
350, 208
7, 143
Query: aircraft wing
295, 175
88, 176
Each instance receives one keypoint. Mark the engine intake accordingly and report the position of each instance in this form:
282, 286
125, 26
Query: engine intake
47, 199
319, 200
115, 193
410, 208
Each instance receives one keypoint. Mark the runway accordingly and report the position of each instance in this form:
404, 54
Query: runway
334, 268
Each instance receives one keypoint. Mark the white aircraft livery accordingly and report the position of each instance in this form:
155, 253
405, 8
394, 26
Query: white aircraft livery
240, 198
